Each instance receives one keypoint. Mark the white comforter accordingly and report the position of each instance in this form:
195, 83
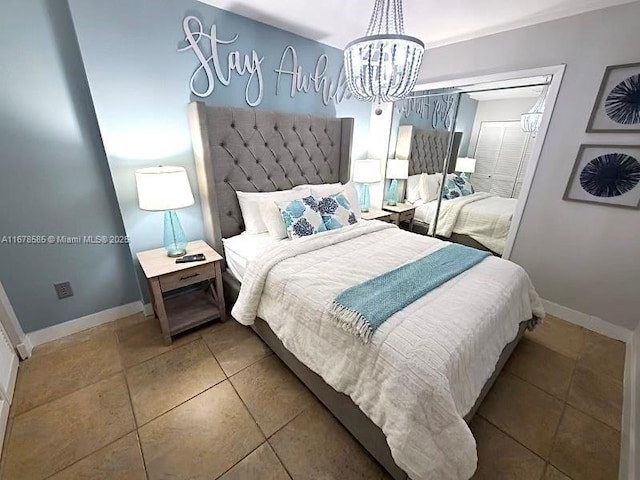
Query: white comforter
482, 216
425, 366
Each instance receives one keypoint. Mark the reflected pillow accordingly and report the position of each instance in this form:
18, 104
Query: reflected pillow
430, 183
302, 217
464, 185
413, 188
451, 189
336, 211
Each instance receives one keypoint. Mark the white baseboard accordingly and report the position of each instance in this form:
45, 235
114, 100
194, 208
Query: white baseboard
74, 326
589, 322
630, 448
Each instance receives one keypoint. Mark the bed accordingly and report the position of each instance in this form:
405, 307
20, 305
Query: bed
483, 218
251, 150
480, 221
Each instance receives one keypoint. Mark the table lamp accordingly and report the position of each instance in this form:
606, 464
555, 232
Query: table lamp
465, 165
166, 189
396, 170
366, 172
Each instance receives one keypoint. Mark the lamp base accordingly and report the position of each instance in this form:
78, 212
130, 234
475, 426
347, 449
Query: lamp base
392, 195
175, 241
364, 198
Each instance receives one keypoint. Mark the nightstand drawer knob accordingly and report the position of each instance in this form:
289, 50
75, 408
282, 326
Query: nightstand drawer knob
189, 276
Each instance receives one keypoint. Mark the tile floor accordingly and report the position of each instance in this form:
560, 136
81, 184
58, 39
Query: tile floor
115, 403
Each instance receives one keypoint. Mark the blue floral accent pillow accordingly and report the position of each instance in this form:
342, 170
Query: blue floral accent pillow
301, 217
450, 190
464, 185
336, 211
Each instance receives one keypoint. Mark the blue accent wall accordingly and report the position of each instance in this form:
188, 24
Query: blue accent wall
54, 176
464, 122
139, 82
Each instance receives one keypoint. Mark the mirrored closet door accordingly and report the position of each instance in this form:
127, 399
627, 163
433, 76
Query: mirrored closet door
468, 150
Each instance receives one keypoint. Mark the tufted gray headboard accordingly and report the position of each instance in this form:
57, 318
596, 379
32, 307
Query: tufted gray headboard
248, 150
426, 150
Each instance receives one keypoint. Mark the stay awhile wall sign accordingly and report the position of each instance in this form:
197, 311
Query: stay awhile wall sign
437, 110
214, 68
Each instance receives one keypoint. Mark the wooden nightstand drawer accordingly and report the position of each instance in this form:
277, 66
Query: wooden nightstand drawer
187, 277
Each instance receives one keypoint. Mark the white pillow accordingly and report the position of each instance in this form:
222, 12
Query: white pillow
429, 186
349, 190
413, 188
250, 206
270, 213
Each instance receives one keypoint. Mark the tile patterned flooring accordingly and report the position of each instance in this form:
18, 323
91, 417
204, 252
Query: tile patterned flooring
114, 402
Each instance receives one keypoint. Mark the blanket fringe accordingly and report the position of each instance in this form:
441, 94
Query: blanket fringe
351, 321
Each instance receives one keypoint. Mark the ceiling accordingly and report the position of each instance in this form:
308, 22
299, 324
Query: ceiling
522, 92
436, 22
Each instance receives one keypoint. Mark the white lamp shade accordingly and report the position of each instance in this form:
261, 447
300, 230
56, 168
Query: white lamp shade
398, 169
466, 164
163, 188
367, 171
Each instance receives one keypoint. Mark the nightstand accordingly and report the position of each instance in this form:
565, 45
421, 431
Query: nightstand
381, 215
179, 310
401, 213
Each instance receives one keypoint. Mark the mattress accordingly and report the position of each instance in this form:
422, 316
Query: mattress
243, 248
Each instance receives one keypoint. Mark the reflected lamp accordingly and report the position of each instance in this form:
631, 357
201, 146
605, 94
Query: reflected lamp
465, 165
396, 170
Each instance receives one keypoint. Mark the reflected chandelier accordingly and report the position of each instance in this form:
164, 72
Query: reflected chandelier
383, 66
530, 121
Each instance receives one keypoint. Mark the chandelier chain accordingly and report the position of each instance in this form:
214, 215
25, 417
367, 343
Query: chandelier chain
387, 17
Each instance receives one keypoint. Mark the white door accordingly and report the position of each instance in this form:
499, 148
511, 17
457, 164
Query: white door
502, 152
8, 373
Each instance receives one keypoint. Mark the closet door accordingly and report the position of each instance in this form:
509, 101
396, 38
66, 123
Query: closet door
8, 372
499, 155
486, 154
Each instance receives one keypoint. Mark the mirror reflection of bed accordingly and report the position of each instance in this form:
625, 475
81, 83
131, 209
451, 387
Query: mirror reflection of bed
475, 133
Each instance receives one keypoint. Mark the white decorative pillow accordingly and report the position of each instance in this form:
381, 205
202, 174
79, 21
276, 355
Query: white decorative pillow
250, 206
272, 218
430, 183
302, 217
349, 189
336, 211
413, 188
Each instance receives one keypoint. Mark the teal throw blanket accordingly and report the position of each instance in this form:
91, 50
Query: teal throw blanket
361, 309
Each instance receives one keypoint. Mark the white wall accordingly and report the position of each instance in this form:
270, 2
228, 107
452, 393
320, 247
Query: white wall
497, 111
583, 256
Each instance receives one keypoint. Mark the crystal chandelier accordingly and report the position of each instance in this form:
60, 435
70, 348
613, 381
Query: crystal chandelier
530, 121
383, 66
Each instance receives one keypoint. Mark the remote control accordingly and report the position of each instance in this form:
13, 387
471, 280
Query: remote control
198, 257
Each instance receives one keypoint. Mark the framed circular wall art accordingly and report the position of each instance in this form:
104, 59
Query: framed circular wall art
617, 107
606, 174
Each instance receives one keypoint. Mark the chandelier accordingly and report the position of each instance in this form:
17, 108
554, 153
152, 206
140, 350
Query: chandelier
530, 121
383, 66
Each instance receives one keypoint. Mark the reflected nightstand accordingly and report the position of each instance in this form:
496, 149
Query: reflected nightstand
401, 213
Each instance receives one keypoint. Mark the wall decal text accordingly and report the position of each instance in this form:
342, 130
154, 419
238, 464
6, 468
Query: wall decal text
439, 110
211, 65
213, 68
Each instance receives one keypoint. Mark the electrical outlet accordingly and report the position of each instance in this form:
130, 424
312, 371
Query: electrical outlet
63, 290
